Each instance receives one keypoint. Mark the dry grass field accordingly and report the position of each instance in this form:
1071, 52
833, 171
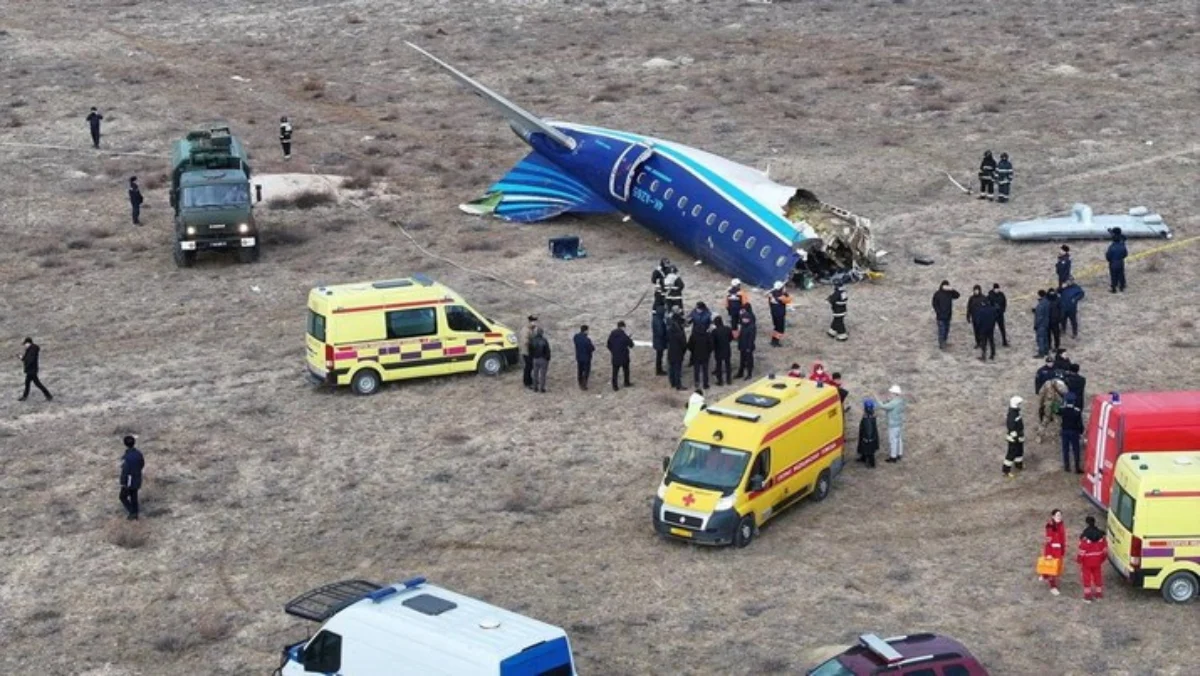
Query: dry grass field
259, 487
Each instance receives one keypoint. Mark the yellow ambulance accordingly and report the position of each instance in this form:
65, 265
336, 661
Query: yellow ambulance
1154, 522
368, 333
744, 460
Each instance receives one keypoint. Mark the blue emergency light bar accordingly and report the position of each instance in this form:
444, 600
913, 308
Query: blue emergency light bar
381, 594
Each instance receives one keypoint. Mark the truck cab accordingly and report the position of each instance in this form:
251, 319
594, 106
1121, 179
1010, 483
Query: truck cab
416, 629
210, 193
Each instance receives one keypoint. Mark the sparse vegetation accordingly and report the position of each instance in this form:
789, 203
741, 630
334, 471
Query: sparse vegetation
307, 199
127, 535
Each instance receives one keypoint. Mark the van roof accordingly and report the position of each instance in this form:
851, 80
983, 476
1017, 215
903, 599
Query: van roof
761, 406
362, 295
1184, 465
1176, 401
444, 621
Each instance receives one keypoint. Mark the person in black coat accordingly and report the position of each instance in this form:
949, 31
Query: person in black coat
1046, 372
745, 342
973, 302
132, 464
700, 346
1000, 303
722, 342
1076, 384
868, 434
1115, 255
984, 321
1072, 431
30, 359
1062, 267
135, 199
619, 344
676, 347
658, 336
1056, 319
583, 356
93, 120
943, 310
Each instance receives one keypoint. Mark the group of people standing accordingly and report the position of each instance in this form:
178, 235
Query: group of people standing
995, 177
985, 314
1092, 552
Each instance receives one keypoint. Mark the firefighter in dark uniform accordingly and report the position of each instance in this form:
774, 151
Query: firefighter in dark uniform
837, 303
1016, 438
777, 300
735, 298
999, 301
673, 290
1004, 177
987, 169
135, 199
93, 120
657, 281
285, 137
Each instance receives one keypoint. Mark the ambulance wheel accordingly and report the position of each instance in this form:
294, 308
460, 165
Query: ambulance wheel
365, 382
184, 259
491, 364
248, 254
745, 531
821, 488
1180, 587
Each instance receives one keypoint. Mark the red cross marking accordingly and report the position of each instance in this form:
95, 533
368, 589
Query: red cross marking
688, 500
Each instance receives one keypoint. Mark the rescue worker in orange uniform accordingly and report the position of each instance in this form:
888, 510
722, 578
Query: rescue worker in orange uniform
1093, 551
778, 299
1055, 546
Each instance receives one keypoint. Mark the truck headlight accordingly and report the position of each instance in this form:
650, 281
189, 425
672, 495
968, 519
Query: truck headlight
662, 491
243, 228
723, 504
191, 231
511, 338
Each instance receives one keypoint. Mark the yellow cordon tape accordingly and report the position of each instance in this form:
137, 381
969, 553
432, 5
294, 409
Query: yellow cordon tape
1093, 270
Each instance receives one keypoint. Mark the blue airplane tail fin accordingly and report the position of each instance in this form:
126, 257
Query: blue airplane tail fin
535, 190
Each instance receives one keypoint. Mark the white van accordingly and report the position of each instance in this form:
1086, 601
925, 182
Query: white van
414, 628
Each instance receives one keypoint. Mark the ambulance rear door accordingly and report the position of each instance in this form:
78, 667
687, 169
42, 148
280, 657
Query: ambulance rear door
1104, 445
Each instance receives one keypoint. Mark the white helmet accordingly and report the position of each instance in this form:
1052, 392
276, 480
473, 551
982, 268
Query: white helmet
1015, 402
735, 282
895, 389
778, 285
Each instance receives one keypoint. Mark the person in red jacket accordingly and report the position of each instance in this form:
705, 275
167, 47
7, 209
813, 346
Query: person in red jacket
819, 375
1093, 550
1055, 546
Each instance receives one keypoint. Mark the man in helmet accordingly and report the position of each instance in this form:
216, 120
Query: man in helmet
735, 299
987, 168
1015, 427
285, 137
777, 300
658, 279
837, 304
868, 434
673, 290
1004, 177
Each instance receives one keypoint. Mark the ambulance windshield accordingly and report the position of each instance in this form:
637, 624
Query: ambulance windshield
706, 466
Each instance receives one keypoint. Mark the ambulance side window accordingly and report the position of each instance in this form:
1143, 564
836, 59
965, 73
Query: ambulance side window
459, 318
762, 466
323, 654
412, 323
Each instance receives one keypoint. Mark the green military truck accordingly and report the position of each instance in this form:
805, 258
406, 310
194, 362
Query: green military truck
210, 192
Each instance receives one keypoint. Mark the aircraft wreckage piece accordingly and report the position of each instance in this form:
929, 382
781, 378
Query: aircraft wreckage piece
728, 215
1139, 222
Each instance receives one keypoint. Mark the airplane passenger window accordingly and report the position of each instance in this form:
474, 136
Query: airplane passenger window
668, 193
712, 218
641, 178
750, 243
737, 235
781, 261
654, 185
766, 251
723, 227
683, 202
696, 210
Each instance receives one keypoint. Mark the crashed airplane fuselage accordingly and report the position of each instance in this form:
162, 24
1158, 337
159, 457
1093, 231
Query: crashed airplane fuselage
729, 215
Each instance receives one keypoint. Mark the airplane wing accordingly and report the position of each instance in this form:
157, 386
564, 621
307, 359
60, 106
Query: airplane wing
521, 120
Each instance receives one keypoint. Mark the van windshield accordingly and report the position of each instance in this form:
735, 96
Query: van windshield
216, 195
707, 466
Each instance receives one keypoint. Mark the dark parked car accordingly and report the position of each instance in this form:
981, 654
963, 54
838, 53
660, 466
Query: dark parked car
915, 655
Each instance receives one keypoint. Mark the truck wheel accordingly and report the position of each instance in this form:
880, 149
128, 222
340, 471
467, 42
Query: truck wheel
491, 364
1180, 587
365, 382
821, 488
184, 259
248, 254
745, 531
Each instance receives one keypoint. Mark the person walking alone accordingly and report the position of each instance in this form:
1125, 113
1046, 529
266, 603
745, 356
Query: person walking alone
539, 352
1055, 547
999, 301
722, 342
943, 310
285, 137
894, 405
30, 360
987, 175
1015, 435
1093, 552
583, 356
745, 343
93, 120
527, 361
132, 464
135, 199
1072, 432
868, 434
1115, 255
619, 344
837, 305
